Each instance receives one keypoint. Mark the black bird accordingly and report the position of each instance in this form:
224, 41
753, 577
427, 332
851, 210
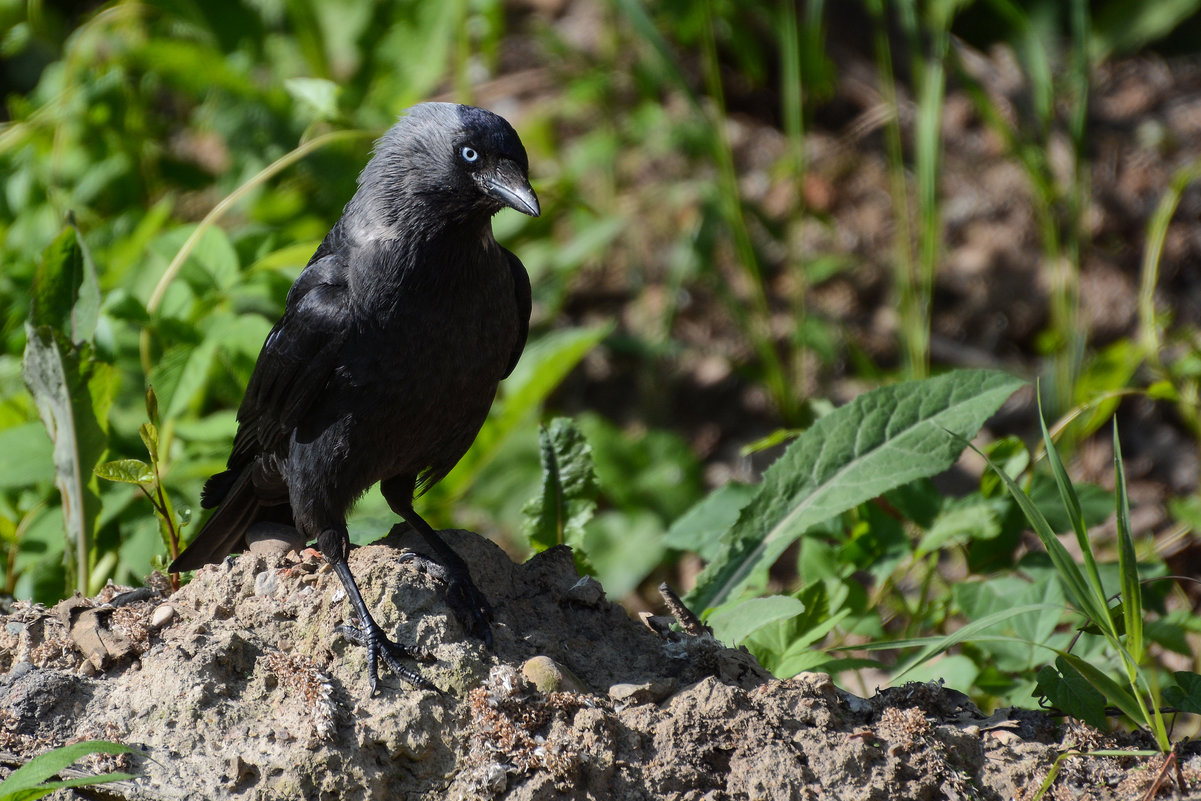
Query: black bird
387, 358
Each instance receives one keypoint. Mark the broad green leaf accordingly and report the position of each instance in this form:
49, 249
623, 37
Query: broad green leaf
29, 776
66, 294
36, 464
126, 471
879, 441
319, 95
1114, 693
568, 498
700, 528
960, 523
1185, 694
1067, 689
733, 624
73, 393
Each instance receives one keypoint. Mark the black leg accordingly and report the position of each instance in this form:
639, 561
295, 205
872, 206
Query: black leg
334, 546
465, 600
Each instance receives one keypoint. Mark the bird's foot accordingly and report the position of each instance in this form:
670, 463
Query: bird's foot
465, 600
380, 648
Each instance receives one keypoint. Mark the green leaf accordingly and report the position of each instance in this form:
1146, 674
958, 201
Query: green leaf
937, 645
960, 523
66, 295
568, 498
879, 441
733, 624
1185, 694
1067, 689
126, 471
317, 94
1114, 693
1132, 591
1071, 504
36, 464
73, 393
30, 776
700, 528
1078, 589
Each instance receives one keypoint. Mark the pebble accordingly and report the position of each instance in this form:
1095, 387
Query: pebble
161, 616
587, 591
273, 539
266, 585
549, 676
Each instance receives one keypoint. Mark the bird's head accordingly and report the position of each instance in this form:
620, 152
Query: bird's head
459, 162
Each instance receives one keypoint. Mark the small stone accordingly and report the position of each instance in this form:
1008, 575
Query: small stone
549, 677
266, 584
273, 539
587, 591
161, 616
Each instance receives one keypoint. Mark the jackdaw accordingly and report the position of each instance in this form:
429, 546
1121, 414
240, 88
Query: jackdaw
387, 358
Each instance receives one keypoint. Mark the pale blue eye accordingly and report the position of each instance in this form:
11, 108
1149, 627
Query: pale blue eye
469, 154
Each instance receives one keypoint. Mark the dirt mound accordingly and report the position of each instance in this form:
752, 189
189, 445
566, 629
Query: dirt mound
237, 687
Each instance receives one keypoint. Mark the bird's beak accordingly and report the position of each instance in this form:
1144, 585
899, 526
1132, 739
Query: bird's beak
508, 184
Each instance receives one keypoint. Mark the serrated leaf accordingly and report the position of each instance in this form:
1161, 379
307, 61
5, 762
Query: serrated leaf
879, 441
568, 498
126, 471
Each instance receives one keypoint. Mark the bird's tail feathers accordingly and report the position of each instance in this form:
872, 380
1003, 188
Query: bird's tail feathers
218, 486
237, 508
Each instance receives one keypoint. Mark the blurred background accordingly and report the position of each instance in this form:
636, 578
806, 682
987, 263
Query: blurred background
753, 211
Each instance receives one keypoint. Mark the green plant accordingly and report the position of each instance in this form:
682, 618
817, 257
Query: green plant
30, 781
1123, 629
148, 479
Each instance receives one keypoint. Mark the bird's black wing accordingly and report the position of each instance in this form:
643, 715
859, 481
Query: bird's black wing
521, 285
297, 361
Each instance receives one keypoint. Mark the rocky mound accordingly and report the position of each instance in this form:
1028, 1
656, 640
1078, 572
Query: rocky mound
237, 687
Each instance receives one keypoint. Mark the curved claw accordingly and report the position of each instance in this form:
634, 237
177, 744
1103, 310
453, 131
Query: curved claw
380, 647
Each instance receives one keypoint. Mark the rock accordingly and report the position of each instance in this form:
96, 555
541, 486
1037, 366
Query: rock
273, 539
548, 676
